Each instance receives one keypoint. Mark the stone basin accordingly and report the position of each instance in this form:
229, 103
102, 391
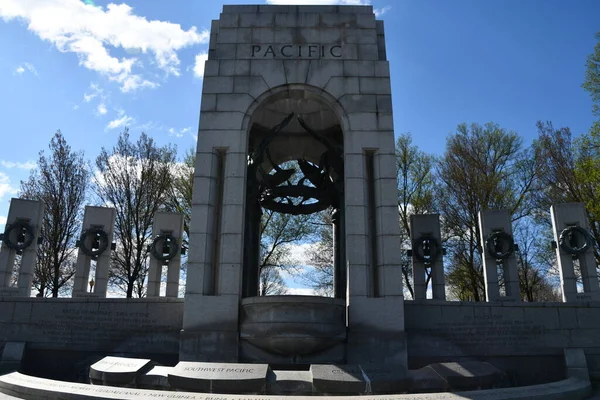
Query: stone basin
293, 325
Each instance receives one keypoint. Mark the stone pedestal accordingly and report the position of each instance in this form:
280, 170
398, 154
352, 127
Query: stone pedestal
574, 215
21, 213
427, 226
166, 224
102, 218
490, 223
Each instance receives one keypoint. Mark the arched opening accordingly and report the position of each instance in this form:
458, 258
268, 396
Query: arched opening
295, 171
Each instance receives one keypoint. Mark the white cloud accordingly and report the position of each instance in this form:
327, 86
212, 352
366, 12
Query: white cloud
25, 66
2, 220
179, 133
93, 32
121, 121
301, 291
380, 11
199, 64
25, 165
101, 109
5, 187
94, 92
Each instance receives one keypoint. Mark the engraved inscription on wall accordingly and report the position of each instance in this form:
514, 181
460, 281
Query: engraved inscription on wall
310, 51
489, 333
94, 328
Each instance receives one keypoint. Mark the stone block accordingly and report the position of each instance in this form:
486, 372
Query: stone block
217, 84
296, 71
156, 378
358, 274
375, 85
231, 248
468, 375
359, 379
257, 20
209, 102
363, 121
13, 351
232, 219
244, 36
219, 377
217, 120
356, 245
227, 20
253, 85
426, 380
230, 278
290, 383
322, 70
204, 188
119, 371
203, 216
384, 103
339, 86
382, 69
226, 51
356, 223
385, 121
547, 317
210, 312
238, 9
376, 314
236, 162
238, 102
575, 358
234, 190
227, 35
282, 35
337, 20
368, 52
354, 166
355, 192
350, 51
356, 103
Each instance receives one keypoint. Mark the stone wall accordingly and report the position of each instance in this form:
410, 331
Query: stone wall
527, 338
149, 326
524, 338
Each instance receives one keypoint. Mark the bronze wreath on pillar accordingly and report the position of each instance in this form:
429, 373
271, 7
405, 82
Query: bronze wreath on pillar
569, 242
494, 245
427, 249
169, 247
99, 242
24, 237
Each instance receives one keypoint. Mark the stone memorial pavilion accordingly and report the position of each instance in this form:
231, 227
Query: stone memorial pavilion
308, 85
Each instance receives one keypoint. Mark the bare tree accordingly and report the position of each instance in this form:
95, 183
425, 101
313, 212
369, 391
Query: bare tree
278, 232
416, 194
484, 167
180, 192
135, 179
271, 282
569, 172
60, 181
318, 275
535, 278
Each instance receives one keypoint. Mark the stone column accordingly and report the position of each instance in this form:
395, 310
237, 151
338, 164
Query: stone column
498, 222
574, 215
30, 213
427, 225
165, 224
102, 218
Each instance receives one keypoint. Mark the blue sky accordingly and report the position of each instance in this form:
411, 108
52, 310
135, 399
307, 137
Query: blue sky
91, 69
